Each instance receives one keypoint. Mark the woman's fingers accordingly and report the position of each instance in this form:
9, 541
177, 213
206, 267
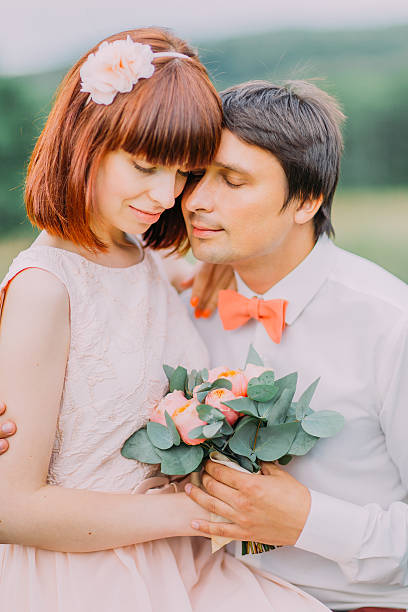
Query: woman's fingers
8, 428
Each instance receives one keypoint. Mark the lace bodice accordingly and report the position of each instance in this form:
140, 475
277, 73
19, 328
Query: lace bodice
125, 323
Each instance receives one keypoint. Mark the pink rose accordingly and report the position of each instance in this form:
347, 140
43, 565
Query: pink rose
186, 418
215, 399
171, 403
182, 411
236, 377
253, 371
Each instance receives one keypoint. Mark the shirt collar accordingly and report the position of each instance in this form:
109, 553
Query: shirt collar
301, 285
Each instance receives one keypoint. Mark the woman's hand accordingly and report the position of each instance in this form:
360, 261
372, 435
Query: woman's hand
7, 429
209, 279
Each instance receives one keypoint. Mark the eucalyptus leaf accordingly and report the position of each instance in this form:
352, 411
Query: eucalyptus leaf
304, 400
219, 442
172, 429
168, 370
139, 447
285, 459
196, 433
212, 429
323, 423
202, 391
242, 442
274, 442
260, 392
191, 382
221, 383
253, 357
244, 405
178, 379
159, 435
287, 382
244, 420
302, 443
181, 460
209, 414
278, 411
226, 429
247, 464
204, 374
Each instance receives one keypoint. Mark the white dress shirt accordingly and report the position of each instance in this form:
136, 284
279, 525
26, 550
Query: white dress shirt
347, 322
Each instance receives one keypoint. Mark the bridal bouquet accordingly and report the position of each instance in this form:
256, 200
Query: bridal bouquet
235, 417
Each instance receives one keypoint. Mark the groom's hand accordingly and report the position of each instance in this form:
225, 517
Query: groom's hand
7, 428
271, 507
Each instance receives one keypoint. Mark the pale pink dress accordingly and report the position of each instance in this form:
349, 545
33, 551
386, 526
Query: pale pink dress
125, 323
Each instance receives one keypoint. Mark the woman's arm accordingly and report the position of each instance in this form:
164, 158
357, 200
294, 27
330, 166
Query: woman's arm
34, 347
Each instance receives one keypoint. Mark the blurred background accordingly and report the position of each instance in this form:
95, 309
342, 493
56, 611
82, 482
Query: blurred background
356, 49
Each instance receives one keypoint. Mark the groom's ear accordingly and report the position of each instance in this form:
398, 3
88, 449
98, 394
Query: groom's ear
306, 210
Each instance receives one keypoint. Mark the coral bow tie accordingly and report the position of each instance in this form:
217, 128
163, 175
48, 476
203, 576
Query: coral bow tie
236, 310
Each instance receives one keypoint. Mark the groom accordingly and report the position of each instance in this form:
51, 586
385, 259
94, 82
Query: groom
340, 513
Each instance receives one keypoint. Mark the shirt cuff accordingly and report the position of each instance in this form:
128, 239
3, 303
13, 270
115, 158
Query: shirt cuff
334, 528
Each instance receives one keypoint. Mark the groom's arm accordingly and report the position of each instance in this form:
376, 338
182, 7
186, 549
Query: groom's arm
369, 543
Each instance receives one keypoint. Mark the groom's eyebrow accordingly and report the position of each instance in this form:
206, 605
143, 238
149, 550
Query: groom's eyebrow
238, 169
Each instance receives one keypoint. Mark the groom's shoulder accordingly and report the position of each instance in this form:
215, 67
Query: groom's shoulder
372, 282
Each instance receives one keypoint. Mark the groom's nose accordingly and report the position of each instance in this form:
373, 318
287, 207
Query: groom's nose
199, 196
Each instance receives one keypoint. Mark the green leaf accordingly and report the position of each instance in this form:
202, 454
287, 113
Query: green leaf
278, 411
304, 400
181, 460
285, 459
226, 430
247, 464
178, 379
287, 382
209, 414
262, 389
204, 374
253, 357
139, 447
242, 441
219, 442
159, 435
302, 443
221, 383
202, 391
196, 433
244, 405
172, 429
274, 442
191, 382
323, 424
168, 370
212, 429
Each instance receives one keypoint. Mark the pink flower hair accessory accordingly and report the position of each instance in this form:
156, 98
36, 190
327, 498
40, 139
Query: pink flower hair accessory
116, 67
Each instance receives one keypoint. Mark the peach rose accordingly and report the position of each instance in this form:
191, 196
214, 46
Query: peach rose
171, 403
215, 399
182, 411
115, 67
236, 377
186, 418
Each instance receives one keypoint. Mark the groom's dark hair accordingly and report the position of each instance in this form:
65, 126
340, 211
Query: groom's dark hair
300, 125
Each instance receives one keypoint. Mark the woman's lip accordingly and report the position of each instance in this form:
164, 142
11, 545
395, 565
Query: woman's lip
145, 216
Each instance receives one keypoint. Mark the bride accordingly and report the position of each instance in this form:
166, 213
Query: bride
88, 319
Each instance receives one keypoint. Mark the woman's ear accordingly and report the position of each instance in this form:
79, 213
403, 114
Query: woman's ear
307, 210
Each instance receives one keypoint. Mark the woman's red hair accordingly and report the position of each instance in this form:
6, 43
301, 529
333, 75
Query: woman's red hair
173, 118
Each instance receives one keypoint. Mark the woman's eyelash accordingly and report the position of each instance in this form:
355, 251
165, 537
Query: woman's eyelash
144, 170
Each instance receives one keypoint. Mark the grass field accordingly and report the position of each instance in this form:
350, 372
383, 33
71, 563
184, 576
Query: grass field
373, 224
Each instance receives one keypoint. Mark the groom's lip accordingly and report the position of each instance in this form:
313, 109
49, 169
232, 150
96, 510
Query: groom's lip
200, 231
